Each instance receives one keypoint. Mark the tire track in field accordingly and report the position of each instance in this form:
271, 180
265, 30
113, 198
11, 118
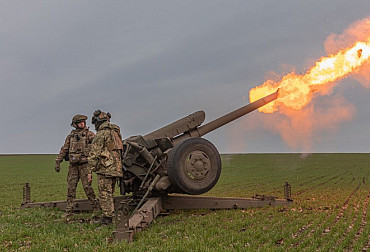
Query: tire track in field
346, 203
313, 180
341, 212
367, 245
320, 184
278, 189
329, 185
363, 223
315, 228
339, 180
351, 225
305, 182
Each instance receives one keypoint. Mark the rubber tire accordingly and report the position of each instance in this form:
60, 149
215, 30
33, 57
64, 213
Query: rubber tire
176, 166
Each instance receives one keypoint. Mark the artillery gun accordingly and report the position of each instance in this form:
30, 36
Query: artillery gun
175, 159
172, 159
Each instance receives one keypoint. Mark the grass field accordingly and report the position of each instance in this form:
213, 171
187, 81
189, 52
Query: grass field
330, 211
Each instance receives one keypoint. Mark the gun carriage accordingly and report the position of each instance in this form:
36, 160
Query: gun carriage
172, 159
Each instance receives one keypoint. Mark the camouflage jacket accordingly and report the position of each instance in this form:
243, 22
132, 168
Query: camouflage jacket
64, 153
106, 150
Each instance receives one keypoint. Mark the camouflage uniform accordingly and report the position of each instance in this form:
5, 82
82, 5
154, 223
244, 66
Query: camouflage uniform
105, 160
76, 152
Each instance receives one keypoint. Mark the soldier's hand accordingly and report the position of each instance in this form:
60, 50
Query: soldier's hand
89, 178
57, 167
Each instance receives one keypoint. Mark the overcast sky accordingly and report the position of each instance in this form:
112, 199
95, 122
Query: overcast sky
152, 62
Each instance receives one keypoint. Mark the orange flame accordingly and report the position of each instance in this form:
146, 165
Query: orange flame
296, 91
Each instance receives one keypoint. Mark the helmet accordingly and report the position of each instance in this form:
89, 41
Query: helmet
77, 119
99, 117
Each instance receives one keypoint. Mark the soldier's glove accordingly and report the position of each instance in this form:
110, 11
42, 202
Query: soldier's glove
57, 166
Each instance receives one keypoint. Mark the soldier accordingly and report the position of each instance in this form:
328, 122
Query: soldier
105, 160
75, 150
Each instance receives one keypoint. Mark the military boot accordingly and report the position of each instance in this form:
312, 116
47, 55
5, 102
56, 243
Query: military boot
70, 205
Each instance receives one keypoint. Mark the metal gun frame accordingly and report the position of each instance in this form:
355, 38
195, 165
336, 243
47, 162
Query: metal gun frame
130, 221
172, 159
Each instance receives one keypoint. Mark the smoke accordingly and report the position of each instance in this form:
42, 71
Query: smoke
324, 112
313, 109
304, 155
235, 143
299, 128
358, 31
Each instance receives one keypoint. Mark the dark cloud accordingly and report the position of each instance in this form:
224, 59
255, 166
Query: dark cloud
150, 63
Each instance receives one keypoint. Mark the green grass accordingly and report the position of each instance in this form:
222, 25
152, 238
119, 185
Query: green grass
330, 210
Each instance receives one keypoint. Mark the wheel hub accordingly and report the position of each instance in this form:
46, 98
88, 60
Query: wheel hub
198, 165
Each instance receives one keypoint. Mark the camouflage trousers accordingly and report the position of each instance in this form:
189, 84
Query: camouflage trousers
106, 191
75, 173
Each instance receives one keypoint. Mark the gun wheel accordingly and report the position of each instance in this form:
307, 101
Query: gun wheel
194, 166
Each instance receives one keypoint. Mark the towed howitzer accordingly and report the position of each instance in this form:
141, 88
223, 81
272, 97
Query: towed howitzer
175, 159
172, 159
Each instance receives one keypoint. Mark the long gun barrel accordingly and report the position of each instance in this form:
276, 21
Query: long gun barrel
221, 121
177, 155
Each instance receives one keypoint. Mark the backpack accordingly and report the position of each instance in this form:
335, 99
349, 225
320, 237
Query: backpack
116, 143
110, 162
